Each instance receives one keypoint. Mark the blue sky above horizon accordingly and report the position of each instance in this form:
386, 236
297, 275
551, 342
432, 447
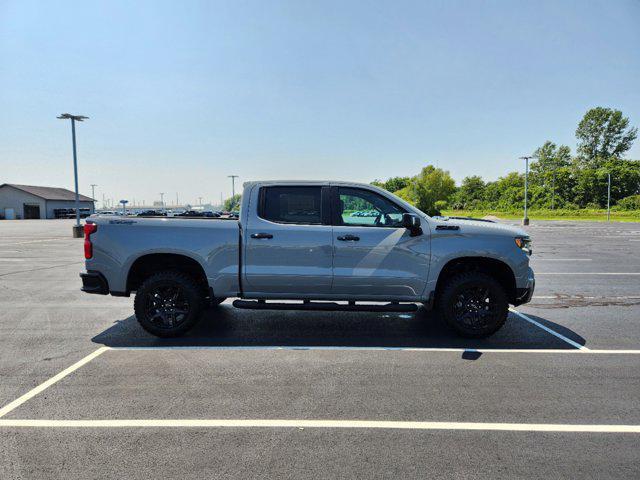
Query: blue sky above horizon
182, 94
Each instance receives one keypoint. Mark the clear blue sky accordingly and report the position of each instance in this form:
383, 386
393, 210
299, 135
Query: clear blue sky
181, 94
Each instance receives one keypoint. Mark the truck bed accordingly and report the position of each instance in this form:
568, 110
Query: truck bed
119, 242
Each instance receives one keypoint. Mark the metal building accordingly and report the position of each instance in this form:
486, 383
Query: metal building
28, 201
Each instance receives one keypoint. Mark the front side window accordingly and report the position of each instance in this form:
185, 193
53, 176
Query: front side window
292, 204
365, 208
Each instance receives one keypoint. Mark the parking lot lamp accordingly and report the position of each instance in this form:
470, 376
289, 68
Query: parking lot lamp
525, 220
553, 187
608, 197
93, 194
233, 184
77, 229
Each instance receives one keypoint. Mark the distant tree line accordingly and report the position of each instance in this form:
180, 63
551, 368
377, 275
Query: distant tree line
557, 179
232, 204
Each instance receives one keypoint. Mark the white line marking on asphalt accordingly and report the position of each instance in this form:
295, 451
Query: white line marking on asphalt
42, 240
43, 386
587, 273
548, 330
360, 424
381, 349
563, 259
586, 297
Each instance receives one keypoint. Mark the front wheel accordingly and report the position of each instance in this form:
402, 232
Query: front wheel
168, 304
474, 304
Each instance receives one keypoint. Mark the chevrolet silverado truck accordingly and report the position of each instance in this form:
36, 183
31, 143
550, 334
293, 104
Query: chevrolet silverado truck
311, 246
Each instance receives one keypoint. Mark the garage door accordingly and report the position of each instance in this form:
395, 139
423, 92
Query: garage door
31, 211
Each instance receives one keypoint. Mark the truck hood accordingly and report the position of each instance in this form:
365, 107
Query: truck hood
475, 227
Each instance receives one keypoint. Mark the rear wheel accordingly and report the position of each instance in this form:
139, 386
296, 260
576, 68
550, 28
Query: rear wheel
168, 304
474, 304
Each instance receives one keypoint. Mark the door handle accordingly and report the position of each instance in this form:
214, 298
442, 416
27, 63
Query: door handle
348, 238
261, 235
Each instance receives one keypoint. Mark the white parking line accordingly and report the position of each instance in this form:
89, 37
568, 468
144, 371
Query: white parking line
359, 424
42, 240
586, 297
551, 259
548, 330
33, 392
587, 273
386, 349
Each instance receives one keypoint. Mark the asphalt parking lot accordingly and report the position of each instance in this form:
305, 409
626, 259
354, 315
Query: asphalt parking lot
85, 393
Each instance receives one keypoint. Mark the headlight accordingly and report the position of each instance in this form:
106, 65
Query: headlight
524, 244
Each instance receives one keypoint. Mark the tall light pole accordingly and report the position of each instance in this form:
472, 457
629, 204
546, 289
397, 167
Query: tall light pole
553, 188
93, 194
233, 184
525, 220
608, 197
77, 229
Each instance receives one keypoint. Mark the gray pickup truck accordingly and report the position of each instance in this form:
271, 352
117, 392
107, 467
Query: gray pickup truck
311, 246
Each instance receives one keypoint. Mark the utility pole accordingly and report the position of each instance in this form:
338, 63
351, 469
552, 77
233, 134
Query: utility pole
233, 184
177, 202
77, 229
93, 194
608, 197
525, 220
553, 188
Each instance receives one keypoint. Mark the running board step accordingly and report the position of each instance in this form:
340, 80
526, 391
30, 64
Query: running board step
325, 306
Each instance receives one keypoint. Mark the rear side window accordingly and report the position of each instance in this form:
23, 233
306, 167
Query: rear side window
291, 204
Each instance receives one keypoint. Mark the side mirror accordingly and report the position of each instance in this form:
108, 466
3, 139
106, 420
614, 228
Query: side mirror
412, 223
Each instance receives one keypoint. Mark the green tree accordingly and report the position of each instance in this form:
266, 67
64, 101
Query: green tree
233, 203
550, 157
506, 193
632, 202
429, 186
393, 184
603, 133
590, 190
470, 195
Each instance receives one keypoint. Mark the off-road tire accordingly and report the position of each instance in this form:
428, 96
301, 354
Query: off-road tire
459, 306
151, 315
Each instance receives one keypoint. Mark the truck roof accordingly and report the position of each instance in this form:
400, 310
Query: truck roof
304, 182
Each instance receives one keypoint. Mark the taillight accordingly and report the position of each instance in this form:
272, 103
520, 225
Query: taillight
89, 228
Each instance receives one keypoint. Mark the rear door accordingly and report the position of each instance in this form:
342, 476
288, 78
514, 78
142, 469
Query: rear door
288, 244
374, 255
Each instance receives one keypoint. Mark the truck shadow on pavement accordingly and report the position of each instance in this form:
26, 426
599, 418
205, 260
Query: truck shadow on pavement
226, 326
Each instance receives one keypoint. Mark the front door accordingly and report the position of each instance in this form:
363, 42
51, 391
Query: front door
374, 255
288, 245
